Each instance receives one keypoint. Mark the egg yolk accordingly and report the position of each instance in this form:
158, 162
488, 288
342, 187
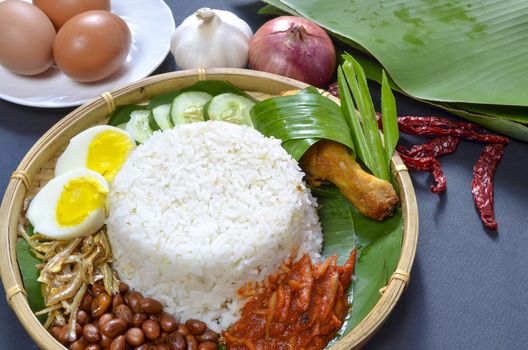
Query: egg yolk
79, 198
108, 152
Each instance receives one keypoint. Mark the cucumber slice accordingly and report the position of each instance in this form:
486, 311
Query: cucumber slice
230, 108
162, 116
138, 125
188, 107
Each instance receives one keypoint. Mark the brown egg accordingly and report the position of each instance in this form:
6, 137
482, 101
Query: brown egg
92, 45
60, 11
26, 38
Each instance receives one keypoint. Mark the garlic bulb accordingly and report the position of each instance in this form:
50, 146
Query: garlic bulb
211, 38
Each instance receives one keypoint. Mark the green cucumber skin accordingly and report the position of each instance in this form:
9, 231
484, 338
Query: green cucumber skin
138, 125
194, 100
162, 116
231, 108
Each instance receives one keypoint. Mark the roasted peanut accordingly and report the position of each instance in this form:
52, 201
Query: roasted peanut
101, 304
63, 335
117, 300
133, 299
176, 341
151, 329
93, 347
123, 287
207, 345
114, 327
162, 346
208, 336
168, 323
105, 318
150, 306
82, 317
162, 338
106, 341
147, 347
135, 336
97, 288
118, 343
124, 312
55, 331
86, 303
182, 328
79, 344
195, 327
138, 319
91, 333
192, 343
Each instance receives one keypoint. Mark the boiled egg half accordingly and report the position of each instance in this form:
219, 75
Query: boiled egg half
70, 205
102, 148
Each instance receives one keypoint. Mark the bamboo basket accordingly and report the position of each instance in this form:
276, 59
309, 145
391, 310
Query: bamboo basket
37, 168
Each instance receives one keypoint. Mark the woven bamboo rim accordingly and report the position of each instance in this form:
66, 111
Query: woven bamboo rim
37, 167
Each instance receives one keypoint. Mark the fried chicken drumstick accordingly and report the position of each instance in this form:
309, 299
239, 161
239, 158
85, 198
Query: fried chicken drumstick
332, 161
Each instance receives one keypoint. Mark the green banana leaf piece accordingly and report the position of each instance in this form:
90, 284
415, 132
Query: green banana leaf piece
122, 114
513, 113
273, 10
500, 121
447, 51
300, 120
500, 125
378, 245
27, 263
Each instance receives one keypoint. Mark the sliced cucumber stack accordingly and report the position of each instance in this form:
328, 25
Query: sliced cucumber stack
138, 125
230, 108
209, 100
187, 107
162, 116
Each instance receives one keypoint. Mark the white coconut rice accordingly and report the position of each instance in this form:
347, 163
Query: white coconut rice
199, 210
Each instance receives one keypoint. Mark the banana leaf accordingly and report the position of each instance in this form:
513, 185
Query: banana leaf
300, 120
273, 10
27, 263
501, 119
513, 113
378, 245
454, 51
122, 114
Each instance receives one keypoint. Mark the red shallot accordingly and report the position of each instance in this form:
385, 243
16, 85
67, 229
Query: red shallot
293, 47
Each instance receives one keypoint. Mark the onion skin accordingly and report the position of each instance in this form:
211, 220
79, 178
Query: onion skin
293, 47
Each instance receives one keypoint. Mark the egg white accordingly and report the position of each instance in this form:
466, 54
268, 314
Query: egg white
42, 208
76, 154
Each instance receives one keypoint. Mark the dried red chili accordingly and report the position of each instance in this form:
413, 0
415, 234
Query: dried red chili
437, 126
482, 183
431, 165
438, 122
435, 148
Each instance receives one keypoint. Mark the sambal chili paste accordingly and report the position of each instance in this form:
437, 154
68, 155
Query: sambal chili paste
302, 307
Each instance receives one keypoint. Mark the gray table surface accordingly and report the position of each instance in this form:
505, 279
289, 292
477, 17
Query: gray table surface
468, 286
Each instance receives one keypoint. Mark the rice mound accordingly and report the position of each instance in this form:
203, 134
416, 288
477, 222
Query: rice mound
199, 210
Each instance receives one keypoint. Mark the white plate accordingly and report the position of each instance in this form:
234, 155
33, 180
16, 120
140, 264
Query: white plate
151, 24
